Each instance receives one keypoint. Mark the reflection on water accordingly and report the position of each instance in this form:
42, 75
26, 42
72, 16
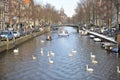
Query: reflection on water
23, 67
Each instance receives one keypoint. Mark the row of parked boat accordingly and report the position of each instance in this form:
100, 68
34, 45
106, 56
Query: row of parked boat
109, 46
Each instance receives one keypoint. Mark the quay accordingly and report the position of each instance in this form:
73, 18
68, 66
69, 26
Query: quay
7, 45
102, 36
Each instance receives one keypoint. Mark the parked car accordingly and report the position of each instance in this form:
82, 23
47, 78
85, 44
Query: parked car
22, 33
6, 34
16, 34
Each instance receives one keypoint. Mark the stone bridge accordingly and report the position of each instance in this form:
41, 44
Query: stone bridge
77, 26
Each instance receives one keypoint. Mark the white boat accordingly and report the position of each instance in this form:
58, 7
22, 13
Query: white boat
63, 33
84, 33
104, 44
97, 39
107, 45
91, 36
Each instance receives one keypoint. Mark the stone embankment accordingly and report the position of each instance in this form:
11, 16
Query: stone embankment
7, 45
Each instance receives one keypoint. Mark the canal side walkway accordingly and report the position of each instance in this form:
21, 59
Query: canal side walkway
102, 36
7, 45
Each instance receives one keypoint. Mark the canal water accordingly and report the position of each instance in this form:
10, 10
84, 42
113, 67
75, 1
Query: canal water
30, 64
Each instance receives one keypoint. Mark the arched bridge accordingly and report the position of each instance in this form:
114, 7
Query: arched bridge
66, 25
62, 25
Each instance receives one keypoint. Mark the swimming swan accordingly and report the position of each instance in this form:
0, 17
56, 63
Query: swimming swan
42, 41
16, 50
41, 51
70, 54
91, 55
50, 61
74, 51
89, 69
118, 70
33, 57
48, 54
52, 53
94, 61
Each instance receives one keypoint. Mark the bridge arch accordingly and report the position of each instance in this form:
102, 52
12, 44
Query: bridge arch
69, 25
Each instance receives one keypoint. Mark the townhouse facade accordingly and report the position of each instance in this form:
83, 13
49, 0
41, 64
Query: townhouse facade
12, 12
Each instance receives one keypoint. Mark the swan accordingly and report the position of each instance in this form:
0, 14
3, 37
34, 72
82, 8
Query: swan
42, 41
33, 57
48, 54
118, 70
41, 51
89, 69
70, 54
94, 61
50, 61
91, 55
74, 51
52, 53
16, 50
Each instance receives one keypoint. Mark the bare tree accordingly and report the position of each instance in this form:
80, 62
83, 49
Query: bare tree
97, 11
117, 6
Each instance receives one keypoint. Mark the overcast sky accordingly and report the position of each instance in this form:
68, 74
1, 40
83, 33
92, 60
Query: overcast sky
68, 5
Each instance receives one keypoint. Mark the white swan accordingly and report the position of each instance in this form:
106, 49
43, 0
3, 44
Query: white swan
89, 69
42, 41
52, 53
91, 55
50, 61
48, 54
41, 51
74, 51
33, 57
118, 70
70, 54
16, 50
94, 61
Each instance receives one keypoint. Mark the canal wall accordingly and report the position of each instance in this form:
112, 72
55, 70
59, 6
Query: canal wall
7, 45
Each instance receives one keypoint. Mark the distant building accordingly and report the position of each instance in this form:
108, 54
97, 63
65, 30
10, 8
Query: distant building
4, 9
16, 11
107, 14
63, 16
12, 12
